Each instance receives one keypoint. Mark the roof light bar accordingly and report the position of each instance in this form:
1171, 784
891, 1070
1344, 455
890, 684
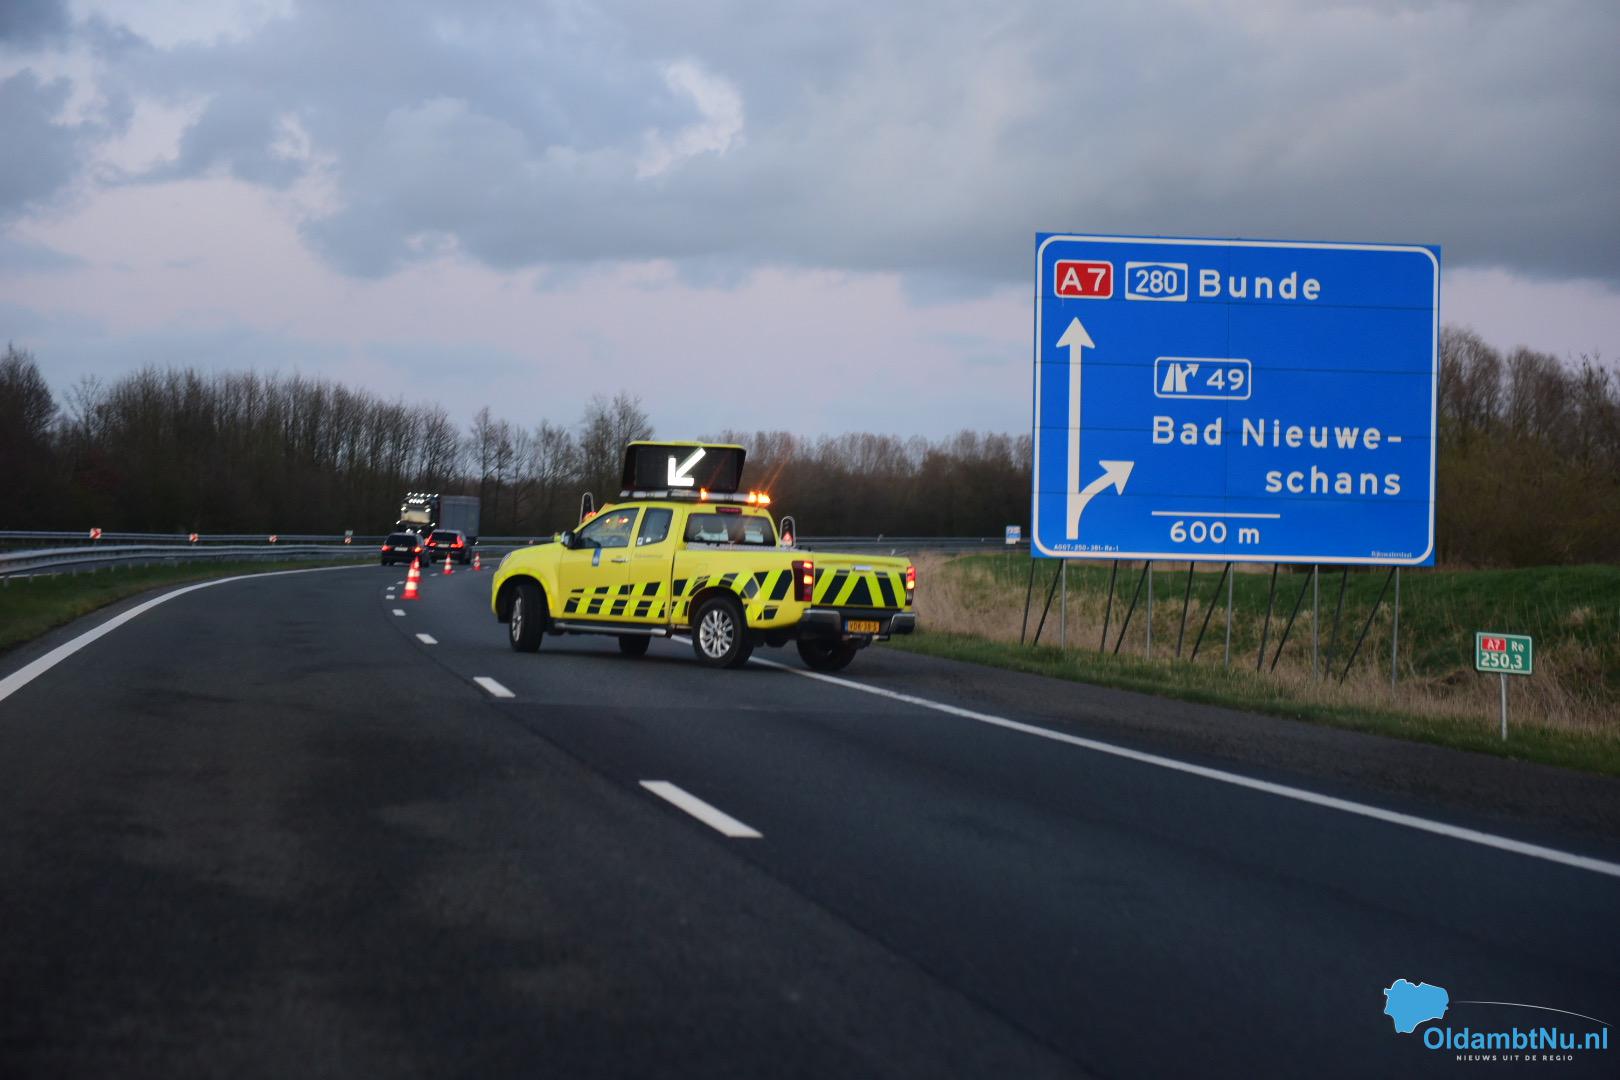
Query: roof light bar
751, 498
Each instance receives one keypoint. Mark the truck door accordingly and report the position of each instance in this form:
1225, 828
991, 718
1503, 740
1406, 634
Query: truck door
651, 560
594, 573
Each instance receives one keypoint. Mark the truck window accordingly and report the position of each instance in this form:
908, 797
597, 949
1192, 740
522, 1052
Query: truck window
611, 529
729, 529
654, 526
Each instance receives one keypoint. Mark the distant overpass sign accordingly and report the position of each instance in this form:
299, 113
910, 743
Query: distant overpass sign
1266, 401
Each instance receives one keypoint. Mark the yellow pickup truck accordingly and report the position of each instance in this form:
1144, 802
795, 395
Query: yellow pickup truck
693, 560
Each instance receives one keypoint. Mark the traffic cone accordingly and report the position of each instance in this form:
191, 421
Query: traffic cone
448, 568
412, 577
478, 563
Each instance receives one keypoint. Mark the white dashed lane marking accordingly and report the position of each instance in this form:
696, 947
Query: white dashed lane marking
718, 820
495, 689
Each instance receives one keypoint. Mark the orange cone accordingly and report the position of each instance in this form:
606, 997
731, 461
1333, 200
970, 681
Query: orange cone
412, 578
448, 569
477, 562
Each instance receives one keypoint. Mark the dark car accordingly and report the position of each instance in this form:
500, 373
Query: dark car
401, 547
451, 542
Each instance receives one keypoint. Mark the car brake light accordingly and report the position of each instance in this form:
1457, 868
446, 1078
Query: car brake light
804, 580
417, 548
911, 578
457, 543
385, 547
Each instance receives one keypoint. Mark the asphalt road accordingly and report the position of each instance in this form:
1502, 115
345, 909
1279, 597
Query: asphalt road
266, 829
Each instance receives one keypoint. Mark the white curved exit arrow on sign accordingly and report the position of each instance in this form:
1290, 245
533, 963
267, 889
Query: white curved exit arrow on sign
1115, 473
678, 475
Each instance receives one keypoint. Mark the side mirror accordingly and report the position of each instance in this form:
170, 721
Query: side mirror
566, 539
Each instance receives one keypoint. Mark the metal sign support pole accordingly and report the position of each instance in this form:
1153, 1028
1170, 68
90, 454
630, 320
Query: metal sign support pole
1316, 612
1063, 612
1029, 591
1109, 609
1395, 634
1150, 612
1289, 628
1045, 611
1209, 609
1503, 677
1125, 624
1366, 627
1333, 635
1186, 601
1265, 629
1229, 579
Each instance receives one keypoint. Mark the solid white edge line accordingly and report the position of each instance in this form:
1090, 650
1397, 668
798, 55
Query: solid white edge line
427, 639
495, 689
1392, 817
718, 820
34, 669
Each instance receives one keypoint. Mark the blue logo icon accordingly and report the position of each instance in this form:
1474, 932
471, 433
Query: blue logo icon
1411, 1004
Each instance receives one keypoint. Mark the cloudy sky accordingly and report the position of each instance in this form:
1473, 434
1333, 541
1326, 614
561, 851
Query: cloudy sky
817, 217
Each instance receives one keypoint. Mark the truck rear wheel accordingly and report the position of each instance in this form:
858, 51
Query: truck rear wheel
528, 620
823, 655
719, 634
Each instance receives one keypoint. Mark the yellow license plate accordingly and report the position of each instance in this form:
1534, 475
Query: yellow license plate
863, 626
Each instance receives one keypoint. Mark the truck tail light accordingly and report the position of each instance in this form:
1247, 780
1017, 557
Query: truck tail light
911, 581
804, 580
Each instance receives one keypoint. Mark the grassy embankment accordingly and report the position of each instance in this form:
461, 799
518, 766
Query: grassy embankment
1567, 713
32, 605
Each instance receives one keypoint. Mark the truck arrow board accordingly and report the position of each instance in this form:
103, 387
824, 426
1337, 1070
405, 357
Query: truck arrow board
681, 475
1267, 401
683, 466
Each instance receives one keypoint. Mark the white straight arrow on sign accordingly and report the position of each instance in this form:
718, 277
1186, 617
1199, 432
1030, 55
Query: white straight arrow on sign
678, 475
1076, 340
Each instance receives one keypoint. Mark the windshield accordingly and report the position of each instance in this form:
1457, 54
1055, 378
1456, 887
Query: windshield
730, 529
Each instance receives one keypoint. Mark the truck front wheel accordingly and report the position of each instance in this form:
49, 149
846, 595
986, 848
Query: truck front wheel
824, 655
528, 620
719, 634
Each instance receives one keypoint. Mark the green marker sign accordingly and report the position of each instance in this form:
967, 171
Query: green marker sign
1506, 654
1503, 654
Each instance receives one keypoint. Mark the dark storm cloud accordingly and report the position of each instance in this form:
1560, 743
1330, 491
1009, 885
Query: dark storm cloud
933, 140
30, 22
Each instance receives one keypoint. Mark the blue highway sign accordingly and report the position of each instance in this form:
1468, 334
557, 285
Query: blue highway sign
1230, 399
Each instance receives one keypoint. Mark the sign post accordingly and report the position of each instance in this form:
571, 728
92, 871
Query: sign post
1505, 654
1221, 400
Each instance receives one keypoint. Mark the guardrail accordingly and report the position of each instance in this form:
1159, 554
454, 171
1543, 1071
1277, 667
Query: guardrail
80, 537
42, 561
490, 544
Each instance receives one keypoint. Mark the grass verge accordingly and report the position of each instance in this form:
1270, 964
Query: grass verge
1567, 714
31, 606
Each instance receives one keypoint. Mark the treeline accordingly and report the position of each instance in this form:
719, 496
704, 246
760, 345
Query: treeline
1529, 457
1529, 460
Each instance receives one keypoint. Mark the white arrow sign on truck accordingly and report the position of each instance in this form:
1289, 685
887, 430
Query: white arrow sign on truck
678, 474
